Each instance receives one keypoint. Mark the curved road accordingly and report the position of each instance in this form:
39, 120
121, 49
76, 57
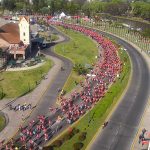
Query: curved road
49, 97
123, 123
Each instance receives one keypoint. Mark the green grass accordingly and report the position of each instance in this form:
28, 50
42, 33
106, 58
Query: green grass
54, 37
70, 83
2, 122
80, 49
14, 84
102, 109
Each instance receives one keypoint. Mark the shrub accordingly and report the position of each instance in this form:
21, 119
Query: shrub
57, 143
82, 136
48, 148
80, 69
77, 146
67, 136
84, 133
75, 131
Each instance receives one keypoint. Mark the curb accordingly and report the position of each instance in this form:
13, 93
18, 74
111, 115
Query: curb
114, 108
145, 56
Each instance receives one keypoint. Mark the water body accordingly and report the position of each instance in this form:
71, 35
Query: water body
132, 23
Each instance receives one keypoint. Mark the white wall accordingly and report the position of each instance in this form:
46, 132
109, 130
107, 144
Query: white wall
24, 28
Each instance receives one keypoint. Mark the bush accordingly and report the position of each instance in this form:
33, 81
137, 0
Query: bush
67, 136
57, 143
80, 69
75, 131
48, 148
84, 133
82, 136
77, 146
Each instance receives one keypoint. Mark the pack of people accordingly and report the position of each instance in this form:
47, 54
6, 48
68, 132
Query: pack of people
20, 107
105, 71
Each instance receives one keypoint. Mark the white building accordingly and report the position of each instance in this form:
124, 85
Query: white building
24, 29
17, 37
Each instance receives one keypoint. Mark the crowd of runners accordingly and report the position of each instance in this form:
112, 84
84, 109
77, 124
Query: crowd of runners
105, 71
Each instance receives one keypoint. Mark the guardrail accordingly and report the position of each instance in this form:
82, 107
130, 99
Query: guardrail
133, 36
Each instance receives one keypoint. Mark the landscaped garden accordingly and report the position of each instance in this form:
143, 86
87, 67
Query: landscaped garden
17, 83
48, 37
81, 50
81, 133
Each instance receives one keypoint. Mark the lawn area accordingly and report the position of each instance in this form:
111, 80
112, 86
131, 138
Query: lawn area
80, 49
54, 37
100, 112
51, 37
2, 122
14, 84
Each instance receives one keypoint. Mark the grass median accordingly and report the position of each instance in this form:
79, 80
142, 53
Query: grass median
100, 112
2, 122
80, 49
17, 83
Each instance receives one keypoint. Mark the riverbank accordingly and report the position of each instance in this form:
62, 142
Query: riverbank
134, 19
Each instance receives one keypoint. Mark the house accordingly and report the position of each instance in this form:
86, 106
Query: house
16, 37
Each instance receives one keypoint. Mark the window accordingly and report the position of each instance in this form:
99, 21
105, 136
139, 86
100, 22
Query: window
24, 33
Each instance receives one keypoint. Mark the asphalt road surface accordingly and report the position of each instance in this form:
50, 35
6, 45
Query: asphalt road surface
123, 124
49, 98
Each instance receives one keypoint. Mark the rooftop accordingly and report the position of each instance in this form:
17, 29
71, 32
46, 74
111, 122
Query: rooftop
10, 33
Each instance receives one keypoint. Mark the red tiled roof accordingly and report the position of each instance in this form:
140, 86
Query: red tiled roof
10, 33
10, 28
10, 38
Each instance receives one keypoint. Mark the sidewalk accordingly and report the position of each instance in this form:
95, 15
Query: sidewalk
33, 98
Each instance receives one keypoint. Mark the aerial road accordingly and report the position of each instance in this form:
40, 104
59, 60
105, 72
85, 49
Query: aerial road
124, 121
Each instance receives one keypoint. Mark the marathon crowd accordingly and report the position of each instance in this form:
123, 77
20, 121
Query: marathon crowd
95, 86
104, 72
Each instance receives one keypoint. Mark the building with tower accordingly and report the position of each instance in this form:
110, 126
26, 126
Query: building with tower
16, 38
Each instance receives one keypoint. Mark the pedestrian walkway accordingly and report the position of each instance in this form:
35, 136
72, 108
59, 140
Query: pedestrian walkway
33, 98
25, 68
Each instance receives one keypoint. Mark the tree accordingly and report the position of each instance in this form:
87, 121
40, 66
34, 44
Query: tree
116, 7
73, 8
8, 4
141, 9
